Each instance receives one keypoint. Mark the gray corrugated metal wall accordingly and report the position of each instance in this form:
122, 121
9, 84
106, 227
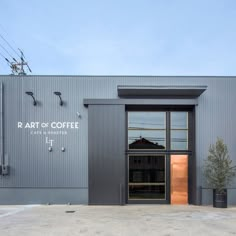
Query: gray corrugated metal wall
106, 154
33, 167
31, 163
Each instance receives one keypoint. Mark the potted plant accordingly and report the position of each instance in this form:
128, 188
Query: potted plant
219, 172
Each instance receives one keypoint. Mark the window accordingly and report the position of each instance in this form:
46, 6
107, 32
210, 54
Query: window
147, 130
154, 137
179, 130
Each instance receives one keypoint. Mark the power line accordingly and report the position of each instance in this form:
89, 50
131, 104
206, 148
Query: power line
5, 59
11, 39
7, 52
2, 56
4, 64
10, 46
16, 66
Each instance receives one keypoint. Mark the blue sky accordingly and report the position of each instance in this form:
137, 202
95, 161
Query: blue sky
123, 37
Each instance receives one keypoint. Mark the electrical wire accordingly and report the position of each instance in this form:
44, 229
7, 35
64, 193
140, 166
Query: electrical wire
7, 52
10, 46
15, 44
21, 55
2, 56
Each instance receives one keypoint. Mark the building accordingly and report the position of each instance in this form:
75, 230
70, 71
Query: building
112, 139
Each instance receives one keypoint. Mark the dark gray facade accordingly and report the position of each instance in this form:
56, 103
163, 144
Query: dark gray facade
92, 168
106, 154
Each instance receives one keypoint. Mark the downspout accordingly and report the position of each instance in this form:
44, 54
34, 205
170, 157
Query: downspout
4, 170
1, 128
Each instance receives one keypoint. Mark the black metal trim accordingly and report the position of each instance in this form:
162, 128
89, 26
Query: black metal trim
192, 191
179, 101
130, 91
147, 202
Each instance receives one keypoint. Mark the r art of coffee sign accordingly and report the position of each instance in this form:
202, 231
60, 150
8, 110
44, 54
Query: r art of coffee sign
48, 128
53, 125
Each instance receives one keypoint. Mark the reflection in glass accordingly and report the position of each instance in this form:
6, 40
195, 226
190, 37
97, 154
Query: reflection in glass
147, 130
146, 192
179, 130
146, 177
179, 139
179, 120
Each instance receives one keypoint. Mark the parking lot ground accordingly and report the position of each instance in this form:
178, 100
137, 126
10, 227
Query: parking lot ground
50, 220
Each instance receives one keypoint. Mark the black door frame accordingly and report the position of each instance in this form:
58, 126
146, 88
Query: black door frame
192, 190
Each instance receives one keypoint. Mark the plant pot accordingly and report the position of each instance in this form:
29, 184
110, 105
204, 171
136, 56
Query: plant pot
220, 198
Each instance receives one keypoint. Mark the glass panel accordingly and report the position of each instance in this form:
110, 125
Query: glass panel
147, 177
147, 130
146, 192
142, 139
148, 169
179, 130
179, 139
179, 120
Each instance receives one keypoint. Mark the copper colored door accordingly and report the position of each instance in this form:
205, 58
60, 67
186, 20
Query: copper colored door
179, 179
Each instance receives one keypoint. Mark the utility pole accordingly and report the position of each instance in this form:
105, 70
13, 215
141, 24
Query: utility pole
18, 67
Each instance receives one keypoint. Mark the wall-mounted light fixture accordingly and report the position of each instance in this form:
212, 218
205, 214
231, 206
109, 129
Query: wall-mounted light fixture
78, 114
32, 95
59, 95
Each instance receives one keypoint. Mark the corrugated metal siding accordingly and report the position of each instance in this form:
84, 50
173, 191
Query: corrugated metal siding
33, 166
106, 154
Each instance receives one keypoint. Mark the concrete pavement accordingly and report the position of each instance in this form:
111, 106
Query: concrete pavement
116, 220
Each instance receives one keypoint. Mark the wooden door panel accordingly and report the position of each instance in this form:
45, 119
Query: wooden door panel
179, 179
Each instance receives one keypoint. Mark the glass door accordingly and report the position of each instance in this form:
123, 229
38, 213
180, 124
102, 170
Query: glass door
147, 177
159, 148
